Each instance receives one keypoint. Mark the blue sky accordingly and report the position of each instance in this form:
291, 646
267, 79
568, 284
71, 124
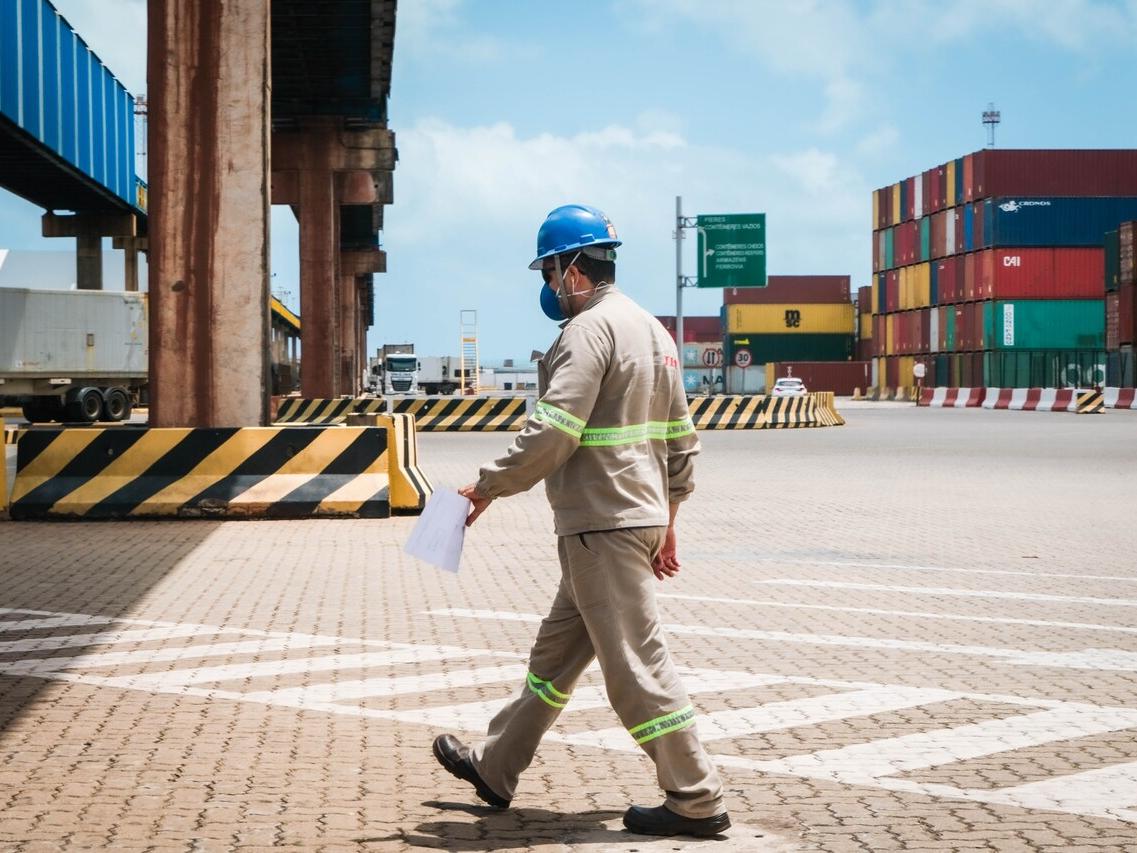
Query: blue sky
504, 109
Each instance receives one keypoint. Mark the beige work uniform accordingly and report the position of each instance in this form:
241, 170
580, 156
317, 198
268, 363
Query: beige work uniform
612, 438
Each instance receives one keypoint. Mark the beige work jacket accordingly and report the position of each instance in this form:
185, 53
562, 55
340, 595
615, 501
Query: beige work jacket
610, 435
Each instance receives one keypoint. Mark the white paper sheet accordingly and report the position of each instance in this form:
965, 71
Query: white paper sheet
441, 530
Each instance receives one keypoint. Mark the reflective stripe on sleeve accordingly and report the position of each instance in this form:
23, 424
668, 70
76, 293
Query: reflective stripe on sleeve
661, 726
651, 431
546, 692
558, 418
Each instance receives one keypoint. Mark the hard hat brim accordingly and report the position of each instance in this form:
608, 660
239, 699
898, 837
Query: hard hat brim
597, 249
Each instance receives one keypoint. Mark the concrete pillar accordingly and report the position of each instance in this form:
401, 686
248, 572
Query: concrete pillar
348, 323
130, 267
208, 85
89, 262
319, 283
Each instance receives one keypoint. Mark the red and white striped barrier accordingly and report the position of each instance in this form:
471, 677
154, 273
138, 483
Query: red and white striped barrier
951, 398
1032, 399
1120, 398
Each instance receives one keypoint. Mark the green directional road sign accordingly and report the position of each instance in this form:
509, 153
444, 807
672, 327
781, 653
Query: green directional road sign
732, 250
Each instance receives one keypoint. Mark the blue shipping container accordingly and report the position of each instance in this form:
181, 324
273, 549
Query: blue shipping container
1053, 221
968, 229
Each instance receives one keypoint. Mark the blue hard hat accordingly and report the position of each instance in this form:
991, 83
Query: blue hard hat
573, 226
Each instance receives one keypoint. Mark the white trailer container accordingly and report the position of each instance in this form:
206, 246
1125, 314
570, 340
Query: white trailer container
440, 374
77, 355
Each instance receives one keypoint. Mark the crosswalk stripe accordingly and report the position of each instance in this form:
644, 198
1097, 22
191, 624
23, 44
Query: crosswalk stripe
55, 622
44, 666
381, 687
951, 591
1104, 791
70, 641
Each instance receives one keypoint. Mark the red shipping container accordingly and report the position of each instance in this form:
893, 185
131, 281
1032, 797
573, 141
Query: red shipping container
938, 233
923, 329
926, 179
941, 187
892, 372
864, 350
977, 218
912, 242
958, 270
1112, 324
943, 327
946, 284
1056, 172
968, 178
978, 327
957, 214
892, 291
1126, 319
864, 300
803, 289
1063, 273
969, 276
840, 377
696, 329
910, 213
879, 334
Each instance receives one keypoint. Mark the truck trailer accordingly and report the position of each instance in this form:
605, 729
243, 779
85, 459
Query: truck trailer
74, 355
440, 374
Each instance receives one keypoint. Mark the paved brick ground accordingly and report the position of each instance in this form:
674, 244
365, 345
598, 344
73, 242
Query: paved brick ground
918, 631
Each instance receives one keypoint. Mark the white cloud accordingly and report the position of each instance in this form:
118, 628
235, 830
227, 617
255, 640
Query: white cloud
429, 29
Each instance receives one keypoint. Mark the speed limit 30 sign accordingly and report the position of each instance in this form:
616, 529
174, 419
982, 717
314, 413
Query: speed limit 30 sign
742, 357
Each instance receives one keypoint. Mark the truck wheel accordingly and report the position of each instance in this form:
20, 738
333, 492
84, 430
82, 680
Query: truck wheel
86, 406
116, 405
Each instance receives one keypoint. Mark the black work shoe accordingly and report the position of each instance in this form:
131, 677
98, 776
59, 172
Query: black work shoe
662, 821
455, 757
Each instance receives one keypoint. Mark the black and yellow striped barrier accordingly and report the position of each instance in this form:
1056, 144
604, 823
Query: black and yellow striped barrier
11, 435
763, 412
1090, 403
410, 488
256, 472
316, 411
463, 414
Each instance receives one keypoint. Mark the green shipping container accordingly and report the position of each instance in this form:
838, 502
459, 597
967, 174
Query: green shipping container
926, 238
1042, 324
1112, 261
1044, 369
766, 347
889, 250
948, 321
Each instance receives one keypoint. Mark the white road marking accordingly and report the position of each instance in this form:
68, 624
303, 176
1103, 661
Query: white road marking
951, 591
71, 641
1108, 792
68, 621
949, 569
915, 614
773, 716
1100, 659
275, 668
142, 657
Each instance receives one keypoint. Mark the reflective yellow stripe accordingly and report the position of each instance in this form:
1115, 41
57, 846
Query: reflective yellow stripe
546, 692
559, 418
661, 726
651, 431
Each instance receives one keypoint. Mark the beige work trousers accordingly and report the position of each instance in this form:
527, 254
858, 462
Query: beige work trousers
605, 608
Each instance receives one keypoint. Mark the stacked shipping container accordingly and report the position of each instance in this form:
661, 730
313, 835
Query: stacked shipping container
701, 352
1121, 305
864, 324
989, 268
793, 318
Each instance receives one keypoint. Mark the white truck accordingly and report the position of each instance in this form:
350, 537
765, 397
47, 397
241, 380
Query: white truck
440, 374
394, 370
73, 355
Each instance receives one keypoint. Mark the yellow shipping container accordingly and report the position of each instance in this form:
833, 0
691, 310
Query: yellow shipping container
881, 373
875, 209
866, 327
804, 319
951, 183
905, 367
890, 334
921, 285
875, 298
903, 297
896, 204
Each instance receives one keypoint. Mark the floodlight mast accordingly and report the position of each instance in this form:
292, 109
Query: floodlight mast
991, 118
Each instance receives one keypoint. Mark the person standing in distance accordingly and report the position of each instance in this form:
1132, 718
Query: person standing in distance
612, 438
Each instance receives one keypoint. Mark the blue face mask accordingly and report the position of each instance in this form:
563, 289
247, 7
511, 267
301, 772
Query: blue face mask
551, 305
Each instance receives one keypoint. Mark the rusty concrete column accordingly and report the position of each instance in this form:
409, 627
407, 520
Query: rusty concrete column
208, 82
348, 299
130, 267
89, 262
319, 283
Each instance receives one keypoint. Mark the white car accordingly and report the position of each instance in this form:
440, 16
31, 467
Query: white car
788, 387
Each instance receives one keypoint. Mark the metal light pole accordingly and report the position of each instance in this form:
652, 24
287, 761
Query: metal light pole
679, 278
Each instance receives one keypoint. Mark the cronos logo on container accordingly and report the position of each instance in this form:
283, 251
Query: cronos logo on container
1012, 206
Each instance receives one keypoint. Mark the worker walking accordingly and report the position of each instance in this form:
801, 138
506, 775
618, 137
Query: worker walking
612, 438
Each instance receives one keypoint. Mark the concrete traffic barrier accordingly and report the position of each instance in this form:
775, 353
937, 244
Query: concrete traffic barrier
11, 435
463, 414
1083, 402
764, 412
410, 488
1120, 398
300, 410
254, 472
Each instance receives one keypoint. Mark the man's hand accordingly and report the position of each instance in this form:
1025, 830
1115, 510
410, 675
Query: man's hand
480, 503
666, 563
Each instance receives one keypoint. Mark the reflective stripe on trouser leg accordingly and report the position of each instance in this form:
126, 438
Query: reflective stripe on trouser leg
614, 587
560, 654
